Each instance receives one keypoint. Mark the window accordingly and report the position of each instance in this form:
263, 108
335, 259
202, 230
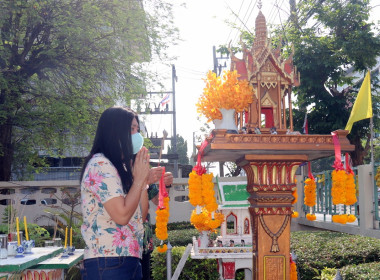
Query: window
231, 223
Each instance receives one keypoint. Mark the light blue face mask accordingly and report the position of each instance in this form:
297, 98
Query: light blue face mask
137, 142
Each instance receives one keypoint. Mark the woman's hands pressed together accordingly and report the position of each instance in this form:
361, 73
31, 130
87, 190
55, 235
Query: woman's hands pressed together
141, 168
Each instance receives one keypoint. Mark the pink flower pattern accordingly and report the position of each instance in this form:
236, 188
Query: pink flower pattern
102, 235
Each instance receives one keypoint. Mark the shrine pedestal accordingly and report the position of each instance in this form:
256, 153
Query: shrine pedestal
270, 162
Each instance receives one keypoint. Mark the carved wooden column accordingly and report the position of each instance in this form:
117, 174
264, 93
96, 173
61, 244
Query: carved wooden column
270, 184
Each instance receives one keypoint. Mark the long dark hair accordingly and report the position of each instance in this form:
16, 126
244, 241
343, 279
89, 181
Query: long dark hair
113, 139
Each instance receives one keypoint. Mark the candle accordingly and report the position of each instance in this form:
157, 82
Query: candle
26, 229
18, 232
71, 237
66, 238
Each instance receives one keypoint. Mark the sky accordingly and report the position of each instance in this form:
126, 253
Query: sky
202, 25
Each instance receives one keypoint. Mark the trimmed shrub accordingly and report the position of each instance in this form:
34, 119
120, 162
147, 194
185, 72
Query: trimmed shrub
318, 250
194, 269
365, 271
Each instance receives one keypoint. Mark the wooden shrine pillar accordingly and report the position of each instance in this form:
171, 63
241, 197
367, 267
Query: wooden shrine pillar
270, 182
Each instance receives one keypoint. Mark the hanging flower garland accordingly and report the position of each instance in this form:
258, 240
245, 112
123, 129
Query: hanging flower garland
294, 193
204, 221
343, 190
295, 214
310, 194
293, 269
162, 215
202, 196
310, 191
311, 217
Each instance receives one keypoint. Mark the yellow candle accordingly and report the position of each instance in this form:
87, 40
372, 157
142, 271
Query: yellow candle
66, 238
18, 232
71, 236
26, 229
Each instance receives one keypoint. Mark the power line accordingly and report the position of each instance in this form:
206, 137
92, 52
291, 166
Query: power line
229, 34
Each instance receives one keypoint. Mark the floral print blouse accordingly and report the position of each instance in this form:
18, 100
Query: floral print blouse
104, 237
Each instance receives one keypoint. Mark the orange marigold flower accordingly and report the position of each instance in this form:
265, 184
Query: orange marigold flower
311, 217
295, 214
162, 248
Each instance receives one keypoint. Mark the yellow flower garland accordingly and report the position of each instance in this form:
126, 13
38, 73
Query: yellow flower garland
295, 214
162, 219
295, 194
343, 189
343, 218
293, 271
195, 189
162, 248
311, 217
338, 190
204, 222
309, 190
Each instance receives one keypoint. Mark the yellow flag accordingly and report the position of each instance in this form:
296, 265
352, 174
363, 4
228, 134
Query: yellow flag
362, 108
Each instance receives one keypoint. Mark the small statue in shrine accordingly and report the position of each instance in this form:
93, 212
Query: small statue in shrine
220, 243
273, 130
257, 130
210, 243
242, 243
232, 243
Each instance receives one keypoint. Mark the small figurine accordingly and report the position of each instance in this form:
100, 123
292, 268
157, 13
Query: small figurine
210, 243
220, 243
273, 130
257, 130
232, 243
242, 243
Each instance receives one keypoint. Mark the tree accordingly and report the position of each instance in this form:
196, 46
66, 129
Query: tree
181, 150
62, 62
329, 37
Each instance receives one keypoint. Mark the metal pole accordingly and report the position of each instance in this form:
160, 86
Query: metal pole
169, 262
372, 157
174, 79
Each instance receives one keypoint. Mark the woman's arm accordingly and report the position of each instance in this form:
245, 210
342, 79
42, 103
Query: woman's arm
121, 209
144, 203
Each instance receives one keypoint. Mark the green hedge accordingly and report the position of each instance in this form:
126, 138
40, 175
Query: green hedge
318, 250
194, 269
365, 271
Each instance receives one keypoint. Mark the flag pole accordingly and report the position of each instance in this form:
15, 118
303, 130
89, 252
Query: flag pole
372, 157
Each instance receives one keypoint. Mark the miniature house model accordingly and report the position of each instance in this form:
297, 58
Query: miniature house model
236, 228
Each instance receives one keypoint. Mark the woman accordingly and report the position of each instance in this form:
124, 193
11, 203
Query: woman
114, 198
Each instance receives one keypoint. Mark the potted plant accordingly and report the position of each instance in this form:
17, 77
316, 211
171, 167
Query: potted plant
222, 97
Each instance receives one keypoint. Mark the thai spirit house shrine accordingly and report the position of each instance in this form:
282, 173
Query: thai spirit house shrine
270, 152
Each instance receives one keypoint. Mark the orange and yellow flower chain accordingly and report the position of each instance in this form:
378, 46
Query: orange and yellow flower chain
202, 196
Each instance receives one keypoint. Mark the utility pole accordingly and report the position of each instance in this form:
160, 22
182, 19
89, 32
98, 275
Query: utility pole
174, 79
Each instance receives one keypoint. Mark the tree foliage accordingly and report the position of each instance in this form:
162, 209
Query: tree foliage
330, 38
62, 62
181, 150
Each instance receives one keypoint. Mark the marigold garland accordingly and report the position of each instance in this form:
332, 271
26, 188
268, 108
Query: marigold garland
343, 218
310, 193
162, 248
195, 189
311, 217
226, 92
295, 195
377, 177
204, 221
338, 190
293, 271
295, 214
162, 219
